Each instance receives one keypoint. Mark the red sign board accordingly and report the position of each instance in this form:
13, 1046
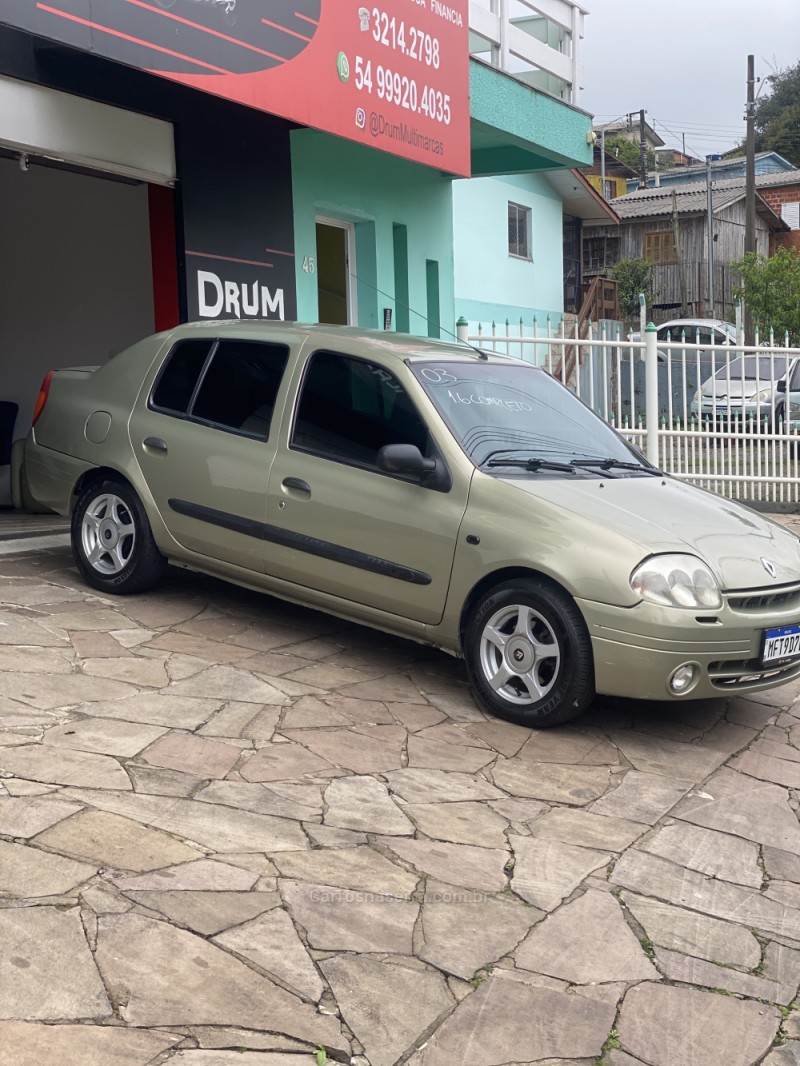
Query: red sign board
393, 75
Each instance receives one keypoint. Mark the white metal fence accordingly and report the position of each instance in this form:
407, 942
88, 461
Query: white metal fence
713, 414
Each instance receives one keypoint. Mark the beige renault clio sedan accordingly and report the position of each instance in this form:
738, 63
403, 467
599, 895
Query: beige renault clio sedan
449, 495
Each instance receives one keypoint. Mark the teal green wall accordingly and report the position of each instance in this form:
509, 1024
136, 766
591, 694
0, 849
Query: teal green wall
515, 129
490, 284
375, 190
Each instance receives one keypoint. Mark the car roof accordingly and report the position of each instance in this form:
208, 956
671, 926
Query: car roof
359, 341
699, 322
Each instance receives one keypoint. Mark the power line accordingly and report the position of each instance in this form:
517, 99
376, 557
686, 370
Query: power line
684, 124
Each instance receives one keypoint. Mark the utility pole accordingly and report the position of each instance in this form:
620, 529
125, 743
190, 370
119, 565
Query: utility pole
642, 153
603, 164
676, 236
710, 231
750, 186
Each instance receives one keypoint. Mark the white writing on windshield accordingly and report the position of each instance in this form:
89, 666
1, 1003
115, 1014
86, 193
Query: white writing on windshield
488, 401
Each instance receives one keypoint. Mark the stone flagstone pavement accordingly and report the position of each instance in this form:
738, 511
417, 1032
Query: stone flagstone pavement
235, 832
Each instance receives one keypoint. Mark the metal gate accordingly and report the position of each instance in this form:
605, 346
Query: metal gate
725, 417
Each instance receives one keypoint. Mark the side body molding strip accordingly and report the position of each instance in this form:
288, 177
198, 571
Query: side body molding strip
301, 542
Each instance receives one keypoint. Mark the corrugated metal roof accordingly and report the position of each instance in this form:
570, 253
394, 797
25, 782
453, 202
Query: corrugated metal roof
765, 163
690, 197
630, 126
781, 177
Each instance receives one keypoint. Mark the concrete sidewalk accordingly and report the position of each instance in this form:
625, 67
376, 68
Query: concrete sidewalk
233, 831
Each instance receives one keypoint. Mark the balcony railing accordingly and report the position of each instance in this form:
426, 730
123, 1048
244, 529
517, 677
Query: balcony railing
536, 41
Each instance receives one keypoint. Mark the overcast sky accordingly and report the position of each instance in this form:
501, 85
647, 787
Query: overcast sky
684, 62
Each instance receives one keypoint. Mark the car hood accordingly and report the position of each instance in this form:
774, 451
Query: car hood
665, 515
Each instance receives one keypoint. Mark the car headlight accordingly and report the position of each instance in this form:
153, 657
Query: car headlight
762, 396
676, 581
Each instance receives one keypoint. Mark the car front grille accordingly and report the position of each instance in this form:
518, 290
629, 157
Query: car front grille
774, 599
742, 674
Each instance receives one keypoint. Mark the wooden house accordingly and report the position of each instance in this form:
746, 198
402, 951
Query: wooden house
669, 226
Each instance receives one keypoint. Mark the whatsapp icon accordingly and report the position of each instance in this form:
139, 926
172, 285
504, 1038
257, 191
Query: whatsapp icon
343, 67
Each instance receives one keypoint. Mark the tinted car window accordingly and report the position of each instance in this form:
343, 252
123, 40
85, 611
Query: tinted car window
517, 409
176, 384
232, 384
240, 385
349, 409
688, 333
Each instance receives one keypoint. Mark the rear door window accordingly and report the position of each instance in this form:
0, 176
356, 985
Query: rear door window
228, 384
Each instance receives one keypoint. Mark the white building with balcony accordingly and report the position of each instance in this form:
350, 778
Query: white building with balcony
511, 229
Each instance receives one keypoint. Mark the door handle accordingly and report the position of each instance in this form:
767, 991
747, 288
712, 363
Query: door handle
296, 483
155, 442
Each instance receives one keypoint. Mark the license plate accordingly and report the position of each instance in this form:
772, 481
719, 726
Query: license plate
783, 643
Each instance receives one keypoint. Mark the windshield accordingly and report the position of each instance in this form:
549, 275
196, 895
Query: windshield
519, 411
756, 368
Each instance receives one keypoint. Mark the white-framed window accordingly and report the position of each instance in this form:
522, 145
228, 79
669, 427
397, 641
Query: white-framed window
790, 213
519, 231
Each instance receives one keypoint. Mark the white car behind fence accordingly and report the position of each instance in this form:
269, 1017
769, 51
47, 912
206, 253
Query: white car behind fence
743, 443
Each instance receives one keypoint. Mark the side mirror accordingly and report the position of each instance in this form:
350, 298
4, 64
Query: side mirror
404, 459
782, 385
408, 460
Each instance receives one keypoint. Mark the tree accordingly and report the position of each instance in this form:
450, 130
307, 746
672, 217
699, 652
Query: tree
632, 277
628, 152
771, 290
777, 116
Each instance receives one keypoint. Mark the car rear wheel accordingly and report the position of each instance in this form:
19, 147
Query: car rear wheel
528, 654
112, 541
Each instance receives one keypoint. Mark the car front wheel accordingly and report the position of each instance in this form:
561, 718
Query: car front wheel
528, 654
112, 541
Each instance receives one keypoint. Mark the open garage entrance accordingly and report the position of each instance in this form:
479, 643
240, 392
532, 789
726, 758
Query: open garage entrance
87, 250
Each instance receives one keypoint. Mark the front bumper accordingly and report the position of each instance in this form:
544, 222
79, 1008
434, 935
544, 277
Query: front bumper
636, 650
731, 411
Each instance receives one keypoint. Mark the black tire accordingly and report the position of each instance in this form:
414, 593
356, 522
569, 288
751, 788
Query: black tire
528, 654
112, 541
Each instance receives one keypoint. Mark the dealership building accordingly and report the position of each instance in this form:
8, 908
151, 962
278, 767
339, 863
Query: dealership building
170, 160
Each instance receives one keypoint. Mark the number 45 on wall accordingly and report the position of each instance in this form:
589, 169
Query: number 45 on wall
308, 264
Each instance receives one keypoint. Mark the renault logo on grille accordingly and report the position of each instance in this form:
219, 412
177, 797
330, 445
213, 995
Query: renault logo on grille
769, 567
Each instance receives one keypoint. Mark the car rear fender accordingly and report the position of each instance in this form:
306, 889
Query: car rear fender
60, 426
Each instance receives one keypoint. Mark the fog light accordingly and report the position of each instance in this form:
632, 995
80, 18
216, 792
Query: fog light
683, 678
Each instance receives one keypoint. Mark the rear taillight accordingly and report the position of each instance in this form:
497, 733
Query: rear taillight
41, 399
